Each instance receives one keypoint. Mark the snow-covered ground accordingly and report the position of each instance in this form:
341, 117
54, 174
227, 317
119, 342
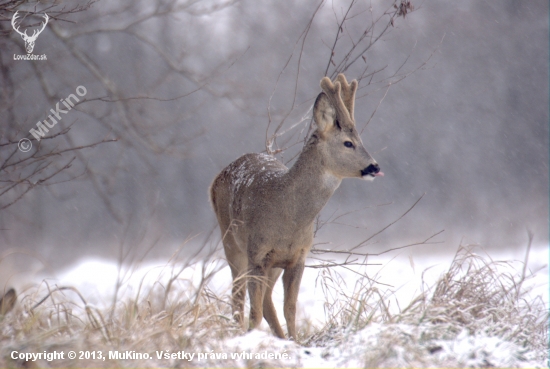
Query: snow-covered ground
399, 275
399, 279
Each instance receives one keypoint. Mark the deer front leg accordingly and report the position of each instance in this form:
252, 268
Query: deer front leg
291, 283
256, 290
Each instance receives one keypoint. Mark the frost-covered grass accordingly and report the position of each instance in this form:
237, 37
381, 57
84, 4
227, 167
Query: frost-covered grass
479, 313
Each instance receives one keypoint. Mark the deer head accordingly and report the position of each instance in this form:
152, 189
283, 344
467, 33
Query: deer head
29, 40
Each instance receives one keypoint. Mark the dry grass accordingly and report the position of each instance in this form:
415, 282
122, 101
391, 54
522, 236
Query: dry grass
478, 314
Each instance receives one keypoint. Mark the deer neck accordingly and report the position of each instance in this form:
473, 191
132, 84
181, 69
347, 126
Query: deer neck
309, 184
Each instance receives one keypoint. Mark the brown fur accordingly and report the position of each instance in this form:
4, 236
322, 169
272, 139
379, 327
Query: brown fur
7, 302
266, 211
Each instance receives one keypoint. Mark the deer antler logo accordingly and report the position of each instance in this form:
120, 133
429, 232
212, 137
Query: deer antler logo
29, 40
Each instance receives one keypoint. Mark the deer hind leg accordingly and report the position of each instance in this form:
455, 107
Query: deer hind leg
257, 285
238, 293
238, 264
291, 282
269, 309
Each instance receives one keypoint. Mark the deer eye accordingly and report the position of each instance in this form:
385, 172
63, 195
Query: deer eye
348, 144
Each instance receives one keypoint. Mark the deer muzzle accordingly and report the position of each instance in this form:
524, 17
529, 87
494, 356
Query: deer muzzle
373, 170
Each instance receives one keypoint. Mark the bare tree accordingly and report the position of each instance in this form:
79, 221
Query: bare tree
354, 37
116, 108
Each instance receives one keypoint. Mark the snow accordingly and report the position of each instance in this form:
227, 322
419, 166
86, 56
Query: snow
96, 280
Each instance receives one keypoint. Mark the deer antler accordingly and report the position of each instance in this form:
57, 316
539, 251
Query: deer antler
334, 93
348, 93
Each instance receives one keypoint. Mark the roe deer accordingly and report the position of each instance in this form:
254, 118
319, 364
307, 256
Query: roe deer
266, 211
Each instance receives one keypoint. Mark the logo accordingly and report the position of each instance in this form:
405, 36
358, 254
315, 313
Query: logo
29, 40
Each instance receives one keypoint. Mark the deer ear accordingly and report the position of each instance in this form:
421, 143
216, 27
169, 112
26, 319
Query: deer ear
324, 113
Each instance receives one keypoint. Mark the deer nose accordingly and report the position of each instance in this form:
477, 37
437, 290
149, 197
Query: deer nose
371, 169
